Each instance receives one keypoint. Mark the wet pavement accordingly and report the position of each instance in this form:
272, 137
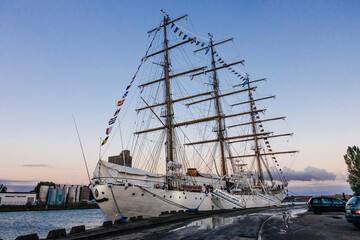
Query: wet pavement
291, 222
235, 225
283, 223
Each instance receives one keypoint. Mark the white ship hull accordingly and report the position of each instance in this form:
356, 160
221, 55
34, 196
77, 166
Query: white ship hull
134, 201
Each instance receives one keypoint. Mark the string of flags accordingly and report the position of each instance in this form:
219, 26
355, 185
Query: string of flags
267, 143
187, 36
121, 102
219, 60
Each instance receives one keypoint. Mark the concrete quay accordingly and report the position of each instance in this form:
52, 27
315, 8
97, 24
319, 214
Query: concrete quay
290, 222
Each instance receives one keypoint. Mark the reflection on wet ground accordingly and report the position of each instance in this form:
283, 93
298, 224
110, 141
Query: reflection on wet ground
235, 225
229, 227
281, 224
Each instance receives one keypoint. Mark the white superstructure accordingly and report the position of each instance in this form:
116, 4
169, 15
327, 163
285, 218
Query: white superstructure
130, 192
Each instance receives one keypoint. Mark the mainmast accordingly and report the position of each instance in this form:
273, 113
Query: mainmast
218, 110
257, 153
169, 115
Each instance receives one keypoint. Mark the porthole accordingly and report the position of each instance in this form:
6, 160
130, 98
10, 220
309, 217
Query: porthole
170, 196
164, 196
102, 192
96, 193
196, 198
200, 198
185, 197
179, 197
133, 194
142, 194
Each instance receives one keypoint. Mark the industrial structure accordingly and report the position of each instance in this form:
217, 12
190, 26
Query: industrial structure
17, 198
50, 195
123, 159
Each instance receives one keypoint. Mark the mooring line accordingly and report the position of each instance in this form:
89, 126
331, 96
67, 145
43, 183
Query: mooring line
163, 199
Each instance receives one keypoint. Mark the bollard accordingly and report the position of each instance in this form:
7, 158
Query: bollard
77, 229
118, 221
32, 236
107, 223
56, 233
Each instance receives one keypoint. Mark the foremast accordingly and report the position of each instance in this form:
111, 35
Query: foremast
169, 113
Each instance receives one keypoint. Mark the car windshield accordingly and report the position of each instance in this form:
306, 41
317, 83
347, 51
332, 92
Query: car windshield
315, 200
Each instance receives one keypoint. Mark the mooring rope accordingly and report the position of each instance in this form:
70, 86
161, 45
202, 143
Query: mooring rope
163, 199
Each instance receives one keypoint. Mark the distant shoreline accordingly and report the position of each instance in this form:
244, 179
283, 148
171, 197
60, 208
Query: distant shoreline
16, 208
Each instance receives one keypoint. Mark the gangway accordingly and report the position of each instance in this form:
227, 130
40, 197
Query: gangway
264, 197
228, 197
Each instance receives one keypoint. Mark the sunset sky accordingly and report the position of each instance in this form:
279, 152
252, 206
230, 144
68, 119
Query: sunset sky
59, 58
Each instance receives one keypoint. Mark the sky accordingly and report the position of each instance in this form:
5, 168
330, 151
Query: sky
64, 58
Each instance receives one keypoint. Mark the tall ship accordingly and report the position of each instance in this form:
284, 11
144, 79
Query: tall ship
195, 133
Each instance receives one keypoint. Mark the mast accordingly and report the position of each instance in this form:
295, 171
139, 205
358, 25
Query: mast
218, 110
257, 152
169, 120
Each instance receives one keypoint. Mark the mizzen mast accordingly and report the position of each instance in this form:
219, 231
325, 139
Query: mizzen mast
257, 152
256, 136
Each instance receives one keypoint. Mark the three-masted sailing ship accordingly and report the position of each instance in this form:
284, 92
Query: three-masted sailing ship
195, 149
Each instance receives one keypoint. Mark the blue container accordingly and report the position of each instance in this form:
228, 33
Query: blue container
52, 196
59, 196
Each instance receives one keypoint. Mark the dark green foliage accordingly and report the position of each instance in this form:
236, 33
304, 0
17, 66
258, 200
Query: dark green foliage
352, 160
3, 188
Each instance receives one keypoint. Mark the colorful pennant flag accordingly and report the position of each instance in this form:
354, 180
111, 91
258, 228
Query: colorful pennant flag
117, 112
125, 94
128, 87
112, 120
108, 130
121, 102
105, 140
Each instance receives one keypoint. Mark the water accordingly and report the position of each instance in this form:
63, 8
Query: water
13, 224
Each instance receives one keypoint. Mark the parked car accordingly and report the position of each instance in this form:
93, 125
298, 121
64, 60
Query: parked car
326, 204
352, 212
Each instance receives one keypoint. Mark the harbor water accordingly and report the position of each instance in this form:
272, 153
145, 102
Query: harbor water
13, 224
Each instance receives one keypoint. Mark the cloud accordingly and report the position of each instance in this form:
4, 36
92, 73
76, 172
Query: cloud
319, 188
308, 174
8, 182
36, 165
